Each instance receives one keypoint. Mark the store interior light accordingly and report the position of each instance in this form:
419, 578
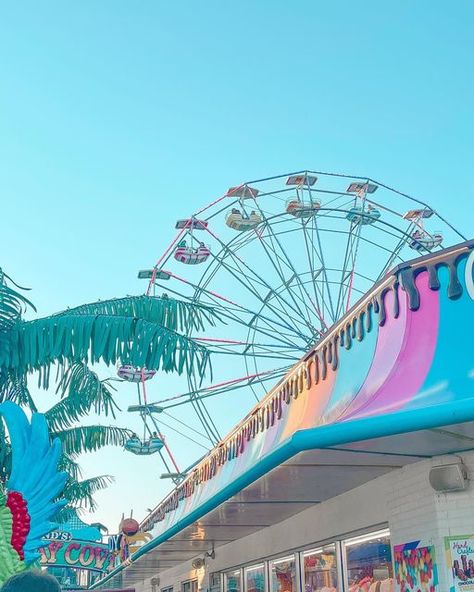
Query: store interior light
367, 538
326, 550
312, 552
254, 568
284, 560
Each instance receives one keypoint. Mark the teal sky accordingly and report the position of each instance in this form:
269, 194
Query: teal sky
118, 117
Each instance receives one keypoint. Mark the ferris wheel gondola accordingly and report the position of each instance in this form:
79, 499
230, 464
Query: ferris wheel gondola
190, 255
420, 239
359, 215
133, 374
241, 222
144, 447
301, 209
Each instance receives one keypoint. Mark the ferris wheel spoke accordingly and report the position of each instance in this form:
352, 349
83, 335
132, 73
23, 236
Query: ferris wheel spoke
274, 237
395, 254
174, 429
354, 231
195, 383
285, 260
184, 424
353, 256
283, 314
232, 310
345, 286
320, 254
259, 350
310, 254
273, 330
270, 323
256, 276
223, 387
202, 412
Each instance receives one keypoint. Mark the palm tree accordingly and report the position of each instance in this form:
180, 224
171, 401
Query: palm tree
143, 331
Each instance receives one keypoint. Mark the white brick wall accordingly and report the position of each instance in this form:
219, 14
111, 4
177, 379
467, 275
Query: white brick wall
404, 499
416, 512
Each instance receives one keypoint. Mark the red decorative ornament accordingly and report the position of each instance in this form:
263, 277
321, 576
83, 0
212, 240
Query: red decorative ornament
129, 526
21, 521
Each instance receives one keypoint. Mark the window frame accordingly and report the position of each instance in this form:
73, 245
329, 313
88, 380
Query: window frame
337, 554
367, 536
240, 571
253, 567
295, 557
190, 581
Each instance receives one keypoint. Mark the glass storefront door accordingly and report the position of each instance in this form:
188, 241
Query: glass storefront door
283, 575
255, 578
368, 561
232, 581
320, 570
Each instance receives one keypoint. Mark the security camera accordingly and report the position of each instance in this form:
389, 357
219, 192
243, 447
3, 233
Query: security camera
211, 554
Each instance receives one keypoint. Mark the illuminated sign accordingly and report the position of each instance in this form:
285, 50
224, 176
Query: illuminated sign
78, 554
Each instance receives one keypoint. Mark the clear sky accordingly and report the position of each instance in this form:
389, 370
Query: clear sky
118, 117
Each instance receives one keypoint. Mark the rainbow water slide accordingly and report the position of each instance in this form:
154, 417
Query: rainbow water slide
399, 361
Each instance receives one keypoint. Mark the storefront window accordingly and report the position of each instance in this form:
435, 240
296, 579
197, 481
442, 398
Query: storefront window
232, 581
255, 578
189, 586
368, 561
283, 574
215, 582
320, 569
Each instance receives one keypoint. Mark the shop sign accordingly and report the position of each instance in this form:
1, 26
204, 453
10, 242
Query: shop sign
78, 554
58, 535
460, 560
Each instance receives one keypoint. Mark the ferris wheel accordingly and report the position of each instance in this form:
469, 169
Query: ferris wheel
280, 260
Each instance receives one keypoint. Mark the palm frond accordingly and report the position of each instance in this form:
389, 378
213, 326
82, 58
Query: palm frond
14, 388
175, 315
67, 514
70, 466
12, 304
80, 493
5, 455
82, 392
81, 439
71, 339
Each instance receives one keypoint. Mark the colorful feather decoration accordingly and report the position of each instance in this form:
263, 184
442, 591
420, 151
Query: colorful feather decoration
28, 505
